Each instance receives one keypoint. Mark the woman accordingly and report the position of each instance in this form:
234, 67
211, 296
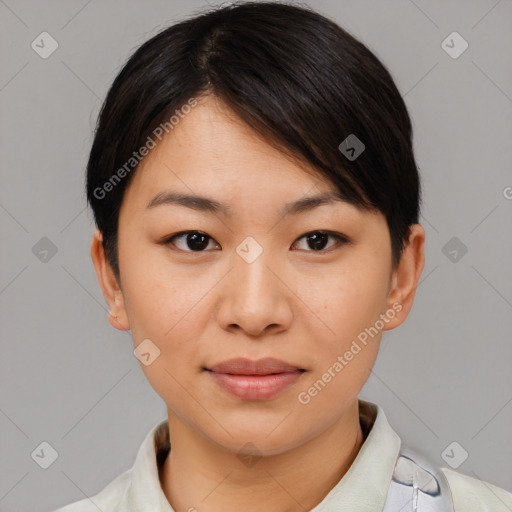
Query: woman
256, 196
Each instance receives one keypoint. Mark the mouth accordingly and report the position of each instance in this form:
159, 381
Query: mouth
243, 366
255, 380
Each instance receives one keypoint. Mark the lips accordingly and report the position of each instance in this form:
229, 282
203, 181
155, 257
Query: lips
243, 366
255, 380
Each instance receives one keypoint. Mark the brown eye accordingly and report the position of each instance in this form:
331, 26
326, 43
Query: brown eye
190, 241
197, 241
317, 240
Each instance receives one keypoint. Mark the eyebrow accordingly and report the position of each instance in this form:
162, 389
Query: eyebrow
206, 204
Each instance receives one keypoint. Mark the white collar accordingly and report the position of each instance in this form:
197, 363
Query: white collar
363, 487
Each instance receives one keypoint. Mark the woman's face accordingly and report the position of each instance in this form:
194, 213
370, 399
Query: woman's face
252, 286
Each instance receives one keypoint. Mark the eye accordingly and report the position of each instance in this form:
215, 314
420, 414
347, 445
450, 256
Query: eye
197, 241
194, 241
318, 239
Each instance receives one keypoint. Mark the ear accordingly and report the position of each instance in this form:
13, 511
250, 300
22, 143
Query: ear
109, 285
405, 278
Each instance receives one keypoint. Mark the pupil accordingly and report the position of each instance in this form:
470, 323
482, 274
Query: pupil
197, 241
318, 240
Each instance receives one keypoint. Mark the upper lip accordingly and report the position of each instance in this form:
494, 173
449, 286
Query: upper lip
243, 366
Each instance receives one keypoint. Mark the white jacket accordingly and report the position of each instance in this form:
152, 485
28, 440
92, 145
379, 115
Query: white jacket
384, 477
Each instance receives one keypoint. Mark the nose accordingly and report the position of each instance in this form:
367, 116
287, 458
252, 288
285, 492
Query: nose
254, 298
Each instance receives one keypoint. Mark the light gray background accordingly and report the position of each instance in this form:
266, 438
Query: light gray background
69, 378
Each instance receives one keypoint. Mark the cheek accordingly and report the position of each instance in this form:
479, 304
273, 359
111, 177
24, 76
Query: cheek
345, 353
167, 305
168, 314
159, 297
348, 299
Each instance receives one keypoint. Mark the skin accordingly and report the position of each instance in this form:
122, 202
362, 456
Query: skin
294, 303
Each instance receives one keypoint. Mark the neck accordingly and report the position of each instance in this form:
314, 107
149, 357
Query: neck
201, 475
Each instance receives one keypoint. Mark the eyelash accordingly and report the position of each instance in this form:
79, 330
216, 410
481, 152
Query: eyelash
342, 240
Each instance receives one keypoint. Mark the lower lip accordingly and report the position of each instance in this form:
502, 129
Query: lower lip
255, 387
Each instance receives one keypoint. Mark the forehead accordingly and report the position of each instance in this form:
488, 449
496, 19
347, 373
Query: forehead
211, 146
213, 154
213, 133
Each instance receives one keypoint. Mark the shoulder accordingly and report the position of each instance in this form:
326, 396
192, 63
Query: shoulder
474, 495
106, 500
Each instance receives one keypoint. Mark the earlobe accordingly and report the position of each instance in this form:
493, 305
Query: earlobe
108, 283
406, 276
